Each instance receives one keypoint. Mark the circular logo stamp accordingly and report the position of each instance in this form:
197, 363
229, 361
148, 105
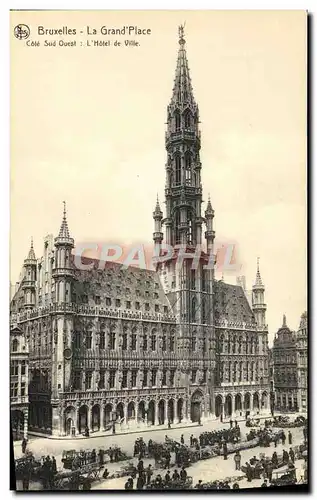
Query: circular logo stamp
21, 31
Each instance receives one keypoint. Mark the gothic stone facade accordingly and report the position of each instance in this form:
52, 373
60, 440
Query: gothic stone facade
290, 367
138, 346
19, 381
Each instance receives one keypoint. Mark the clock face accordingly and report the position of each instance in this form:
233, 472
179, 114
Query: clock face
67, 353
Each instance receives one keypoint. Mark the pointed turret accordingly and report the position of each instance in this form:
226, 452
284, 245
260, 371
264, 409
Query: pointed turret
210, 233
29, 281
258, 305
64, 231
31, 254
63, 270
284, 325
157, 216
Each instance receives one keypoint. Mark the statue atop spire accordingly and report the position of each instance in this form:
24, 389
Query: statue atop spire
284, 321
181, 34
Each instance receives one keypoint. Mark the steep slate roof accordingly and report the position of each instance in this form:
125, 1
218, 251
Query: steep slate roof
230, 303
115, 281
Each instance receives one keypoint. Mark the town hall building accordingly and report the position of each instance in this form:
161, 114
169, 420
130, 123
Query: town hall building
139, 347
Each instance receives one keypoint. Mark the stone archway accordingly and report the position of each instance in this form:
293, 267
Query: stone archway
120, 411
264, 400
95, 414
256, 401
131, 412
107, 415
180, 409
17, 422
247, 401
238, 403
218, 405
228, 405
141, 411
161, 412
170, 410
70, 415
82, 419
196, 406
151, 413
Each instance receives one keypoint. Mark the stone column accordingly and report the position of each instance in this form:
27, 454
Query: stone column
76, 423
102, 413
155, 412
175, 411
165, 411
90, 418
233, 401
125, 409
25, 428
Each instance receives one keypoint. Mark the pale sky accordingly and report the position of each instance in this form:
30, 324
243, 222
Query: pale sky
88, 126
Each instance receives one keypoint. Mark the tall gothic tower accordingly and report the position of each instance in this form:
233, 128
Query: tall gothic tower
187, 274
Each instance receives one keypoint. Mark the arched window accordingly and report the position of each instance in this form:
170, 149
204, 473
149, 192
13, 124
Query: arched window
233, 345
177, 121
15, 345
188, 169
193, 311
187, 119
203, 311
153, 341
221, 343
177, 228
177, 170
190, 235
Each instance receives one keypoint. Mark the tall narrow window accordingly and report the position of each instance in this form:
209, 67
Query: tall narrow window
192, 279
188, 169
124, 341
177, 121
88, 340
102, 341
177, 228
112, 343
145, 342
190, 231
153, 342
177, 170
193, 311
187, 119
203, 311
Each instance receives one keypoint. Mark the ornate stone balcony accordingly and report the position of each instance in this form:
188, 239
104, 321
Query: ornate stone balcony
86, 310
150, 392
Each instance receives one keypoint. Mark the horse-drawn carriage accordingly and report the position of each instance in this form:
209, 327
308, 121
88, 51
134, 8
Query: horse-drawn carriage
75, 479
252, 422
284, 477
28, 462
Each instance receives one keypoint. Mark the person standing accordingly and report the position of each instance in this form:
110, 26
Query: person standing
183, 474
292, 455
149, 473
23, 445
182, 439
248, 472
231, 423
167, 477
283, 437
191, 440
237, 459
269, 471
290, 437
140, 482
225, 451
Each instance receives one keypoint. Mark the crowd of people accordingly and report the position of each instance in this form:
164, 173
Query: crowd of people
143, 479
231, 435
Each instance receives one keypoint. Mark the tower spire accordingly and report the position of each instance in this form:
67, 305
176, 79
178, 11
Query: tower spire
31, 254
284, 321
64, 231
182, 90
258, 279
